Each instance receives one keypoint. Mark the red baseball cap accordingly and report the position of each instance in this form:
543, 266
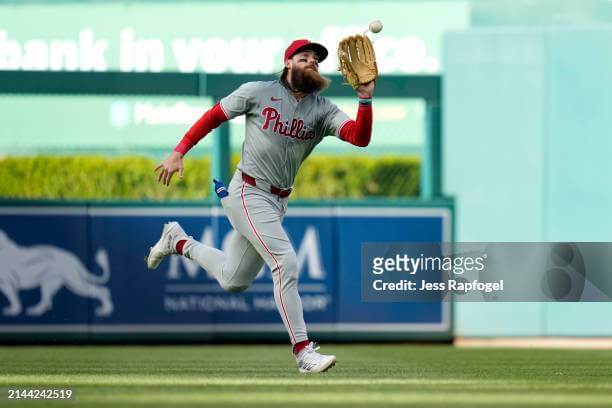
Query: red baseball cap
303, 45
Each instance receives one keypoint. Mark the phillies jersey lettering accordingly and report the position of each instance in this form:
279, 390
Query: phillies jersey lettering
280, 131
272, 115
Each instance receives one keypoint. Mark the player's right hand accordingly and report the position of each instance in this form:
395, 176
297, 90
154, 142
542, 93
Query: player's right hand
172, 164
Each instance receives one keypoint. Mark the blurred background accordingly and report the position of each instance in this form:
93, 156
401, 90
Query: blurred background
491, 124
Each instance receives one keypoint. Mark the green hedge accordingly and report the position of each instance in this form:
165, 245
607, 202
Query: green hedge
132, 178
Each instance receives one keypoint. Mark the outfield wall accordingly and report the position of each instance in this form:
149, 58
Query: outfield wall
89, 260
526, 153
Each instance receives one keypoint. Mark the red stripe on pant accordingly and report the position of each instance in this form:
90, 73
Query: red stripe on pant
280, 280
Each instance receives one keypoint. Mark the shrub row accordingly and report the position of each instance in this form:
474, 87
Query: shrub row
132, 178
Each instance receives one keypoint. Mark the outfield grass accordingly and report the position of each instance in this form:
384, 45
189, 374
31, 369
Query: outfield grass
423, 376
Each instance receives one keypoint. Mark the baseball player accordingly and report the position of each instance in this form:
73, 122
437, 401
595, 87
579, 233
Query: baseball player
285, 120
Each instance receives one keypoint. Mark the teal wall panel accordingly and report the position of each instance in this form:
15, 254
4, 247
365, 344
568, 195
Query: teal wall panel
579, 130
498, 319
493, 137
526, 154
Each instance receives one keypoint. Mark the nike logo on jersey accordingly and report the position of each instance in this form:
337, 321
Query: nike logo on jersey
274, 121
273, 99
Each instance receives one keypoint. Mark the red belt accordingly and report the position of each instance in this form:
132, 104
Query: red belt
274, 190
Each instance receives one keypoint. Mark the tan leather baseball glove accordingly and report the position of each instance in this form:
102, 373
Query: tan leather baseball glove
357, 60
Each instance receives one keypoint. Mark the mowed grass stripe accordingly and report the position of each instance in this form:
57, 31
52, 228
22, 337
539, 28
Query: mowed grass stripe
112, 380
337, 398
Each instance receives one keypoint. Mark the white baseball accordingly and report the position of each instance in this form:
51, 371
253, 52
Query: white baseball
376, 26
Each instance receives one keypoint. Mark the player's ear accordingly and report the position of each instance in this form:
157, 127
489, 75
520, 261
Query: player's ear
288, 63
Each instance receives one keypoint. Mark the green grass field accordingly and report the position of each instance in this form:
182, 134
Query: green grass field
366, 375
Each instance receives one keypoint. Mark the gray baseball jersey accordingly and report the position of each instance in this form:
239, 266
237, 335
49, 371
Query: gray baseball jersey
280, 131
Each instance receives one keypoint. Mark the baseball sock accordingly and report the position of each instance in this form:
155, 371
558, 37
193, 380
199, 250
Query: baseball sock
180, 245
299, 347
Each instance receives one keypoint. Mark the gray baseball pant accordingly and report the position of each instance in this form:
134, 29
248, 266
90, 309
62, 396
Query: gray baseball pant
257, 216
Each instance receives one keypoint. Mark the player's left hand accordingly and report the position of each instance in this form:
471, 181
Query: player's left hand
366, 90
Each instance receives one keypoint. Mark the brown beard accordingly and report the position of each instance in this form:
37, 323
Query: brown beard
308, 80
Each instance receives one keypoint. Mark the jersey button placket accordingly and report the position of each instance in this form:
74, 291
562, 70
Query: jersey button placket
293, 117
286, 142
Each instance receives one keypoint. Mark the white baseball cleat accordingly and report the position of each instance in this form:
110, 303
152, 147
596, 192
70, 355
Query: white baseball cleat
171, 235
309, 361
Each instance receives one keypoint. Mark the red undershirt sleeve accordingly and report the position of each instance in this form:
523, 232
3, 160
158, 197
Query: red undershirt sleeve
211, 119
358, 132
